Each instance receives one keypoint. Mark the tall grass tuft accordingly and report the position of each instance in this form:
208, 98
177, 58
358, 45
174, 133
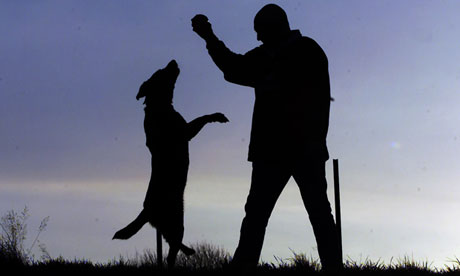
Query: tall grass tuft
13, 226
455, 267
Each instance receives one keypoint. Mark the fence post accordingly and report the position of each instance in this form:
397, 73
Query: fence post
159, 250
338, 219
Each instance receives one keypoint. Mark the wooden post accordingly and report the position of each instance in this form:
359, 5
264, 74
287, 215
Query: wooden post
338, 219
159, 250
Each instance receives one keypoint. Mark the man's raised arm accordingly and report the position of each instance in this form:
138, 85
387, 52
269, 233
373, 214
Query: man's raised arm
237, 68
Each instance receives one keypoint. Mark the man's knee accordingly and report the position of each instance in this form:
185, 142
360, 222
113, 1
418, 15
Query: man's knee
255, 221
319, 211
316, 201
256, 213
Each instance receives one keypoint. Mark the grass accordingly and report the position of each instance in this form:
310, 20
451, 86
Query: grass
211, 260
208, 260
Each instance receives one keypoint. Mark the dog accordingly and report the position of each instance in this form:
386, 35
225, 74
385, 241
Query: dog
167, 137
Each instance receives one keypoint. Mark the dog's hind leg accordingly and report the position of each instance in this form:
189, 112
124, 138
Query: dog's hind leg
174, 249
132, 228
187, 250
172, 254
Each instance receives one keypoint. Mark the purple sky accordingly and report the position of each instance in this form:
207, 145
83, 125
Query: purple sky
72, 145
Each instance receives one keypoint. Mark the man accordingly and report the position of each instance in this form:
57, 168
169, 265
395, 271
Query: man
290, 122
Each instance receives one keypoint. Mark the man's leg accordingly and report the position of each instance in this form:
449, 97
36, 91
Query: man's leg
267, 183
311, 179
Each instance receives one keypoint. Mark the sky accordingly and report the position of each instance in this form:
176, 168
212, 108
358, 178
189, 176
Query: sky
72, 144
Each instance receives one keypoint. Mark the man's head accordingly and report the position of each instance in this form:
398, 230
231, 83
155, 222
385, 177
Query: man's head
159, 88
271, 24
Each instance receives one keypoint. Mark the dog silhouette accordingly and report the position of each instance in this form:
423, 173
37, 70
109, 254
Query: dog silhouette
167, 137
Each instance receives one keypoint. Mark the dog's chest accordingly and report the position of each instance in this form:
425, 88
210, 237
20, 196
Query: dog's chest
166, 131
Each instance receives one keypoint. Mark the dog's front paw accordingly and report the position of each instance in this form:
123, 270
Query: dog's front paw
218, 117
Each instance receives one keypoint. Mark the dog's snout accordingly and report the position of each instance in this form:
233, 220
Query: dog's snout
173, 64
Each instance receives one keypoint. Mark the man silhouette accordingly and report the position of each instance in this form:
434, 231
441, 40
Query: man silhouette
290, 122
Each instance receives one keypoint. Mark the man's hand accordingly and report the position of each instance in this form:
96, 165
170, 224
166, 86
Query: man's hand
217, 117
202, 27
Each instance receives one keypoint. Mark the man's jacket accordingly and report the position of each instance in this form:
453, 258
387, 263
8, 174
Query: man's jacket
292, 96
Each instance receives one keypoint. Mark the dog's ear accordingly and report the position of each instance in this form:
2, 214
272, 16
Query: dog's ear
160, 79
142, 91
147, 85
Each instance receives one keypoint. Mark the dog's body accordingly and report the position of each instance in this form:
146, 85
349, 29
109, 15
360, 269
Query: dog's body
167, 135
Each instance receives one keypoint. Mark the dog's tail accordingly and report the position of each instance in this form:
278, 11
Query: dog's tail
136, 225
132, 228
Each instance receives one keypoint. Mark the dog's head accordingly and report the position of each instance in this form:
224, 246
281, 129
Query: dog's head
159, 88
